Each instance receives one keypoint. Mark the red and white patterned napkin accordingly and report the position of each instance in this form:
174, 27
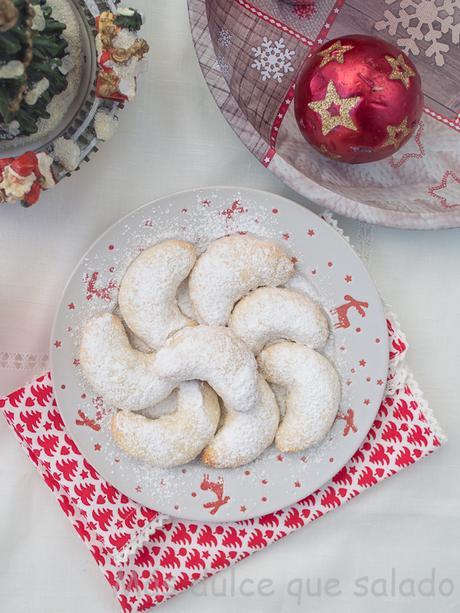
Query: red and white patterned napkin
148, 558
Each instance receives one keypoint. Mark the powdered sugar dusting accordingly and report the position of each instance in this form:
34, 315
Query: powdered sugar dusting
244, 436
175, 438
147, 296
126, 378
271, 314
230, 268
213, 354
313, 393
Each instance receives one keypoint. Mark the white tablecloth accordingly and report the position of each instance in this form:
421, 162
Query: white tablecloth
172, 138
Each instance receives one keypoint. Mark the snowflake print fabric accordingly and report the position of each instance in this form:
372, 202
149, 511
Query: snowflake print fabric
148, 558
424, 21
224, 38
273, 59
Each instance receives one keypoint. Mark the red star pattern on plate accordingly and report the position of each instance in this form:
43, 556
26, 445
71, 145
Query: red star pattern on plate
449, 186
57, 344
367, 401
71, 306
379, 381
279, 457
285, 236
97, 447
362, 363
311, 232
243, 508
348, 278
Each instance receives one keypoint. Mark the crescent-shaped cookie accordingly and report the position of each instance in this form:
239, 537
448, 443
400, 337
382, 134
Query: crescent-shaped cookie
313, 393
125, 378
244, 436
271, 314
173, 439
230, 268
213, 354
147, 296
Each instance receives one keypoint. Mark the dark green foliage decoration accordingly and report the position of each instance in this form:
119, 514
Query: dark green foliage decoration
130, 22
40, 53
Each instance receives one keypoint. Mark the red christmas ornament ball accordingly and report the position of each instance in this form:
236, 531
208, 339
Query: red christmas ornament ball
358, 99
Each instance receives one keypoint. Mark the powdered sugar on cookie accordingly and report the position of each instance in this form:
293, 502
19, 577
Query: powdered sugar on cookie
213, 354
229, 269
313, 393
244, 436
147, 296
272, 313
125, 377
174, 439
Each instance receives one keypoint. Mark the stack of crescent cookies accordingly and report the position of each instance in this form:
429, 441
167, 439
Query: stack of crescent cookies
209, 356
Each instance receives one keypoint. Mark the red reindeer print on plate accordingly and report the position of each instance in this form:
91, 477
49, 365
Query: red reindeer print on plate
342, 311
84, 420
349, 418
235, 207
217, 488
103, 293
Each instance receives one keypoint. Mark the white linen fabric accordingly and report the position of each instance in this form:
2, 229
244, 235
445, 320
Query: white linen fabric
171, 138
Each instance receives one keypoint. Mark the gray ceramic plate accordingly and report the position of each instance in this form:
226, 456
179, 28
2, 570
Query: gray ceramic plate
327, 268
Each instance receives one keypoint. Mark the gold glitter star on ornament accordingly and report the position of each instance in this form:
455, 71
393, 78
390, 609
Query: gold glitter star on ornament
396, 134
334, 110
400, 71
334, 53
